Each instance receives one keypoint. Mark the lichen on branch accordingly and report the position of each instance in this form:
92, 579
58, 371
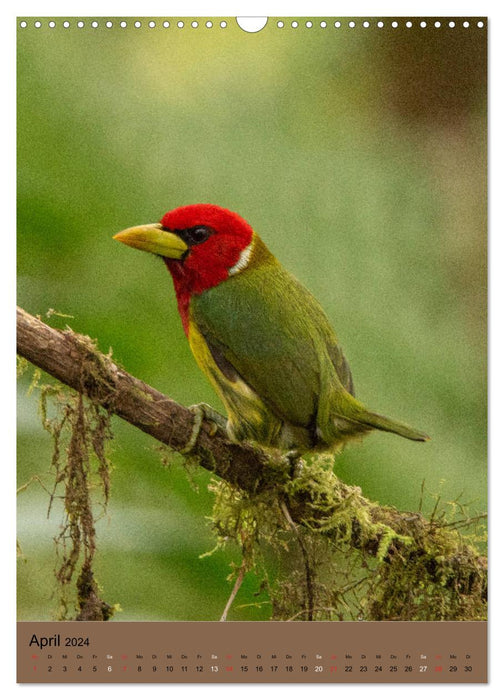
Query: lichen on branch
334, 553
398, 567
80, 431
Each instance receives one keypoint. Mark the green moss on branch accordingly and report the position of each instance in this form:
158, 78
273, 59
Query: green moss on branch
334, 553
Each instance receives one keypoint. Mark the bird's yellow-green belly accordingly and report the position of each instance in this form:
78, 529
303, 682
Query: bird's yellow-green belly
248, 416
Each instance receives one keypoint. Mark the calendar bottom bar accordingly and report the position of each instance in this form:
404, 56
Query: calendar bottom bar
252, 652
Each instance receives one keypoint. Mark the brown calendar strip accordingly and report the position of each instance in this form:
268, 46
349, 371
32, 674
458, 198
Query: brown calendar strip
252, 652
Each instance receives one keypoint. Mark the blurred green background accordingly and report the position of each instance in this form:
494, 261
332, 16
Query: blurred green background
358, 155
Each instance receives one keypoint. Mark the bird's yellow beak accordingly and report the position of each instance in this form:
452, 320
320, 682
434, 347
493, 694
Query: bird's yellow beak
153, 239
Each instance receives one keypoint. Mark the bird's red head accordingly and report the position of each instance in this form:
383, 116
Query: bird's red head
201, 244
215, 237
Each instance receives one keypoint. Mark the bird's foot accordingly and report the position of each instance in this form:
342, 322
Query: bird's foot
201, 412
295, 463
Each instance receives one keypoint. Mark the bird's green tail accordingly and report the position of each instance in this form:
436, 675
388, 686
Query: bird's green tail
374, 420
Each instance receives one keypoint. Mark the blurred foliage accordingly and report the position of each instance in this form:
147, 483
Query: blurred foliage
359, 157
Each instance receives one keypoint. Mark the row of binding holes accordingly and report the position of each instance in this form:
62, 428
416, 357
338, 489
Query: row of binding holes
223, 24
366, 24
123, 24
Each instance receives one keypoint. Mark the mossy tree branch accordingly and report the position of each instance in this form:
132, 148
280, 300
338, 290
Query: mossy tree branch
73, 359
400, 541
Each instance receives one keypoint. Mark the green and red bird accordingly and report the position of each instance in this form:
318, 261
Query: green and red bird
261, 338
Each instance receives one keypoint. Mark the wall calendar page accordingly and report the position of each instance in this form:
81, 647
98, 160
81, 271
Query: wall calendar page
251, 337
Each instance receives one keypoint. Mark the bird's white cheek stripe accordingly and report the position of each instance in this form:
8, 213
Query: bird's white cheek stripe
243, 260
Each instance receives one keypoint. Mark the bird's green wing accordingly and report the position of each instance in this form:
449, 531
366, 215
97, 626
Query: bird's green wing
342, 367
265, 326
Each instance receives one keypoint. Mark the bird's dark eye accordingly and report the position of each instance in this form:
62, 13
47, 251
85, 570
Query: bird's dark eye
197, 234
